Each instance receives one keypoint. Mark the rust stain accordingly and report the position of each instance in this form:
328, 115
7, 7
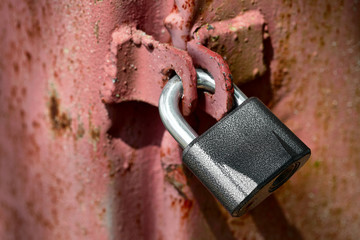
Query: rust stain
186, 207
96, 31
28, 56
80, 131
95, 134
167, 73
176, 177
13, 91
35, 124
16, 68
60, 121
37, 215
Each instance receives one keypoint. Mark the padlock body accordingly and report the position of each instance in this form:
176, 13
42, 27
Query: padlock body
245, 156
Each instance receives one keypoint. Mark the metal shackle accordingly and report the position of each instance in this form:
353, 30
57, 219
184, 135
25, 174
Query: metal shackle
169, 110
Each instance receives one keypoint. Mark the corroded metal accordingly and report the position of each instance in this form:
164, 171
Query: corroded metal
219, 103
139, 66
239, 41
179, 22
72, 167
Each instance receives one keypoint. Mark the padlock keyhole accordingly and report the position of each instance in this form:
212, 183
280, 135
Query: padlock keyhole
284, 176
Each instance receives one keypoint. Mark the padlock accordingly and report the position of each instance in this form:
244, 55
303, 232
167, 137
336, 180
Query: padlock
244, 157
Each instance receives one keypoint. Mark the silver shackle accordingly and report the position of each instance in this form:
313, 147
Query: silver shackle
169, 111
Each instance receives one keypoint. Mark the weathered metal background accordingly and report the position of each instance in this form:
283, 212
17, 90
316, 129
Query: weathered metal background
74, 165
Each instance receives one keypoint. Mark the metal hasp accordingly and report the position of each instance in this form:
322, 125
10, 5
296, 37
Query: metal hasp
244, 157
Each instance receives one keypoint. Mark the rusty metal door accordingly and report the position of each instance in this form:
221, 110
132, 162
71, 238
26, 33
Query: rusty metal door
83, 152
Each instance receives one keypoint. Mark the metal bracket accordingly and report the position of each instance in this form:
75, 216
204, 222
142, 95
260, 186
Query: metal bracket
135, 56
139, 66
219, 103
240, 41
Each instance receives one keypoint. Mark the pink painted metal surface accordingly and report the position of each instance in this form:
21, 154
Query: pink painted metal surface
230, 38
179, 22
219, 103
72, 167
138, 67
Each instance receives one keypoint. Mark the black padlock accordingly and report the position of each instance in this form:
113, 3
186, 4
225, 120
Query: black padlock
244, 157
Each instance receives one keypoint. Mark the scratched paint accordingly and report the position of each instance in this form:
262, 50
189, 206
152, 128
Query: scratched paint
72, 167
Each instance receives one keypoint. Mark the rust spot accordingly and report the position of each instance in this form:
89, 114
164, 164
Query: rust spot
176, 177
167, 74
11, 107
149, 47
23, 91
96, 31
80, 131
35, 124
22, 114
28, 56
162, 154
95, 134
175, 8
31, 4
13, 91
186, 38
168, 25
54, 214
60, 121
35, 30
327, 12
102, 214
37, 215
186, 208
281, 75
16, 67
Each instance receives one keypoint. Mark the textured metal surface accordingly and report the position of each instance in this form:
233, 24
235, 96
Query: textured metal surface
246, 63
219, 103
136, 55
179, 22
64, 175
206, 82
230, 38
169, 111
239, 158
